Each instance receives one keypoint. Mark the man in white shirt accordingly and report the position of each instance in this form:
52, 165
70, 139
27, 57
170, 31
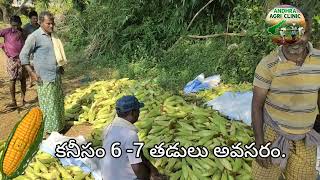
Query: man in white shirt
130, 164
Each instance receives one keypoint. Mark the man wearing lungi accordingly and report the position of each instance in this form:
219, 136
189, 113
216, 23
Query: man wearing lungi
47, 72
13, 43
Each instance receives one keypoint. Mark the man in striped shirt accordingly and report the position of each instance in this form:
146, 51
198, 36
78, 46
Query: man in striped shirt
284, 108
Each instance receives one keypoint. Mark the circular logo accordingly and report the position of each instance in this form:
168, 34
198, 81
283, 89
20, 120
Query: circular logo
286, 23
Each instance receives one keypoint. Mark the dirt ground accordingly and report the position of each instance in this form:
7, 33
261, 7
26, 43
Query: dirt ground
9, 119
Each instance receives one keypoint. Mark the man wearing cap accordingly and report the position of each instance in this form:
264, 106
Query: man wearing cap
128, 166
284, 108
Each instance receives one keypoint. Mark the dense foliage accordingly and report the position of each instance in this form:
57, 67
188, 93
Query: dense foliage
149, 38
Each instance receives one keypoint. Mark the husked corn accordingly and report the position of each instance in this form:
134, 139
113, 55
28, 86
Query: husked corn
23, 137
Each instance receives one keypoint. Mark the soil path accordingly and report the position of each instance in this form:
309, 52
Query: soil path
9, 119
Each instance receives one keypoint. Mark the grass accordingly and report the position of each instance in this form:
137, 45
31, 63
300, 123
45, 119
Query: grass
172, 69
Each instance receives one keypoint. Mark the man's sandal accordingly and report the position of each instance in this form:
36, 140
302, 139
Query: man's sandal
12, 106
26, 103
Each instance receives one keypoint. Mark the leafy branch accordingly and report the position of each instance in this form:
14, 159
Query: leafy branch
216, 35
198, 13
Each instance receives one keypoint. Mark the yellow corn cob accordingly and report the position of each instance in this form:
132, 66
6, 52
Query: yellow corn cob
23, 137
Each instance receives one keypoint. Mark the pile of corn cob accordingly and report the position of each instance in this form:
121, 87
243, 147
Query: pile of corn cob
45, 166
167, 118
95, 104
194, 126
208, 95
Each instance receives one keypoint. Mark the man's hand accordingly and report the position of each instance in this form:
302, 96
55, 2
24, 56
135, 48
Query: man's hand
264, 162
157, 176
34, 77
154, 173
61, 70
316, 125
258, 100
141, 171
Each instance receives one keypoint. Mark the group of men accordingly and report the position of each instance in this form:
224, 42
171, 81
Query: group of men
14, 38
35, 51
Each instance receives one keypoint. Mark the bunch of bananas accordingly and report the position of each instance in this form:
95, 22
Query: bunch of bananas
168, 118
45, 166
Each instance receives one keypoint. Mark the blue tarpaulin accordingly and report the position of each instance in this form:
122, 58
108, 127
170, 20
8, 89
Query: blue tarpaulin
201, 83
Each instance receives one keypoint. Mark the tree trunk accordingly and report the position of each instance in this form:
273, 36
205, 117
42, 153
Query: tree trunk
5, 14
270, 4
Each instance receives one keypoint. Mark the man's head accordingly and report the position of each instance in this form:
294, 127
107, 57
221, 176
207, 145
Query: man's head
128, 107
299, 46
33, 16
47, 21
15, 22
